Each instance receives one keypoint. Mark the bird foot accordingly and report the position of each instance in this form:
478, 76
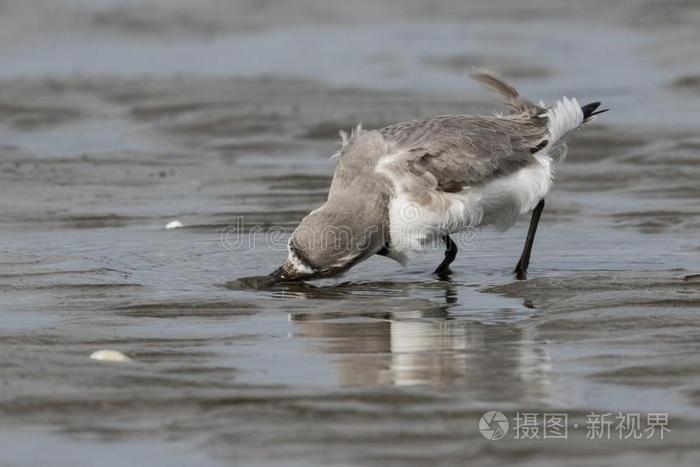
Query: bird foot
520, 273
443, 274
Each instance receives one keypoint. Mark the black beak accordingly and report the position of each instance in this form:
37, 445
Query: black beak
271, 279
258, 282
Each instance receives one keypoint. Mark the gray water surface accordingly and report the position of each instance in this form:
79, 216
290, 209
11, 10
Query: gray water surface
119, 117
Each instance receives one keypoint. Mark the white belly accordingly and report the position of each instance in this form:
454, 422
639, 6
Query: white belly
414, 226
503, 200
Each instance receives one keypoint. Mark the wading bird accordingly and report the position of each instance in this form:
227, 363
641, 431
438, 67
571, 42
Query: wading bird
403, 187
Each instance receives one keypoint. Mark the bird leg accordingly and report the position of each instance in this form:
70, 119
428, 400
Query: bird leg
450, 254
521, 268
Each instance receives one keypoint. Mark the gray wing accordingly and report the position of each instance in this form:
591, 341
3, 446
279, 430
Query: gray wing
461, 151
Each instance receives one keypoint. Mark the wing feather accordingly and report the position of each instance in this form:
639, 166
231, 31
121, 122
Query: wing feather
499, 85
464, 151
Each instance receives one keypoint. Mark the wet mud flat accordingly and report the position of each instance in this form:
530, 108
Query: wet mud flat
173, 118
355, 370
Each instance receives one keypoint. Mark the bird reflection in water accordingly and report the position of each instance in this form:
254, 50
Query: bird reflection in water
397, 334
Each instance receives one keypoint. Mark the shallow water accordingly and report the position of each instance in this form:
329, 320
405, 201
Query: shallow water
163, 115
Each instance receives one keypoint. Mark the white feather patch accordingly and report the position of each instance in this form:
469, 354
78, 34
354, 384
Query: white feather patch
298, 265
565, 116
504, 199
413, 226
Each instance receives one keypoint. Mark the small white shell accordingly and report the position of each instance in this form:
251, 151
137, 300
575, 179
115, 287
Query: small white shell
106, 355
174, 225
